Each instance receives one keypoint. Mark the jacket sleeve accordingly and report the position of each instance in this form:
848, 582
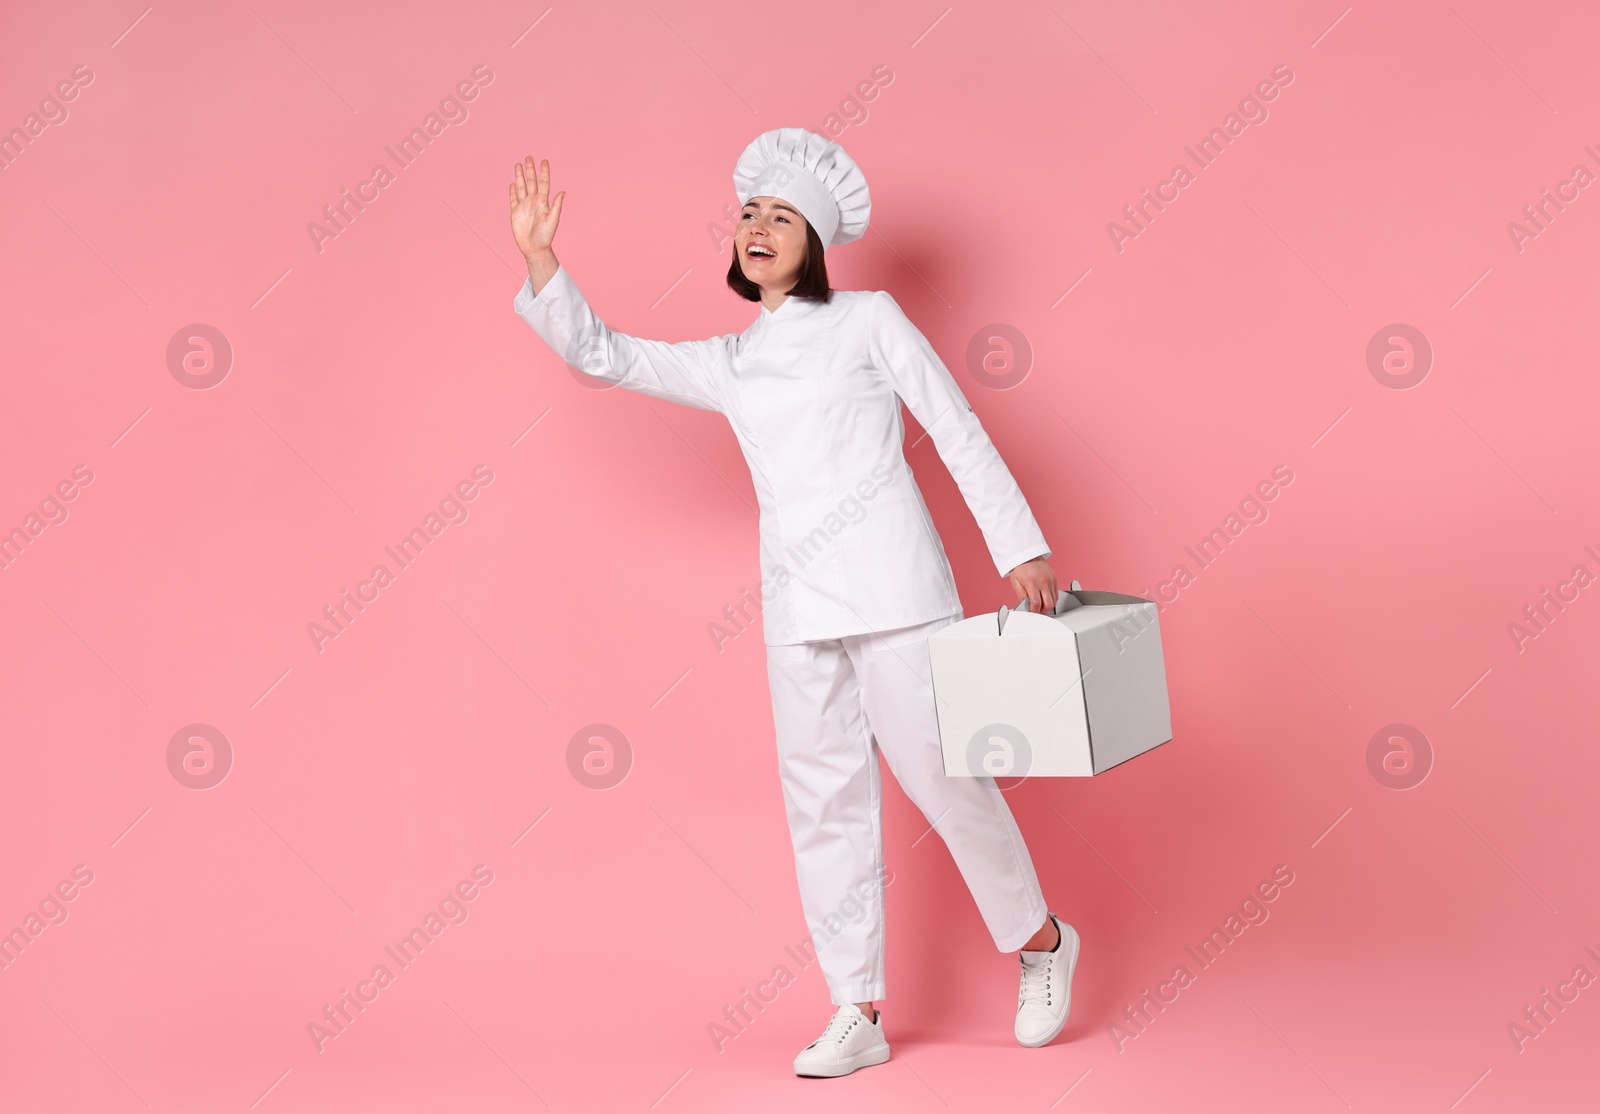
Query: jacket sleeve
681, 372
924, 384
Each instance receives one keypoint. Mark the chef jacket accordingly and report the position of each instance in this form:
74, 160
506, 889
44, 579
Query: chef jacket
813, 392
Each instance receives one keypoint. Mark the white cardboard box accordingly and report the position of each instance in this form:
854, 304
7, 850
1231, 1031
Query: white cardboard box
1069, 694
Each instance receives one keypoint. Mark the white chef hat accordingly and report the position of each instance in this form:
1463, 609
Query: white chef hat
811, 173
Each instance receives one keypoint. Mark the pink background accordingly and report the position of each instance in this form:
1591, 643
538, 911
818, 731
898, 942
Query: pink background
370, 377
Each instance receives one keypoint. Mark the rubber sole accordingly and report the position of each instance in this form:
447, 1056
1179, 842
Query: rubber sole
1072, 963
863, 1059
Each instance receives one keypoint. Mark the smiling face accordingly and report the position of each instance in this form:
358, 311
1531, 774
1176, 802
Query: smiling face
771, 243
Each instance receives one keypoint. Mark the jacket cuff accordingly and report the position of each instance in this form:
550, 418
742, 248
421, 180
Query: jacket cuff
1021, 556
524, 299
527, 301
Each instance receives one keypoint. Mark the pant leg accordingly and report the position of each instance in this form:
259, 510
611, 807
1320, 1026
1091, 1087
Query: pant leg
828, 764
970, 813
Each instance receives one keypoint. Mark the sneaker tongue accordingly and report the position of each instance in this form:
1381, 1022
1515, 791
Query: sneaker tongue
1035, 959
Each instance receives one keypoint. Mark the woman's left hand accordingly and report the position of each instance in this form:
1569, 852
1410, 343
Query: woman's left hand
1035, 583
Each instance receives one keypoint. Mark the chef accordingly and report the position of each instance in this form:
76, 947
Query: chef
854, 577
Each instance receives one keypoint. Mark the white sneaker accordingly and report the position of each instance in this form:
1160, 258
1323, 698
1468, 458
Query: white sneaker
1045, 995
849, 1042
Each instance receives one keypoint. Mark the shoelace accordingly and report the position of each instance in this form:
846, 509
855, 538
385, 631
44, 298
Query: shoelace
1036, 984
839, 1027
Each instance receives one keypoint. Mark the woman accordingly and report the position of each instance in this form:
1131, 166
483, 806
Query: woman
854, 578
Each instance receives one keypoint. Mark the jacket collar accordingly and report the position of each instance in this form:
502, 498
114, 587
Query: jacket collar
793, 308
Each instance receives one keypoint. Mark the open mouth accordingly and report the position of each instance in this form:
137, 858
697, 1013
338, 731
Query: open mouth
759, 253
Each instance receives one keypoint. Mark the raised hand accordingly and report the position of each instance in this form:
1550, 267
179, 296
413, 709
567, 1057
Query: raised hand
533, 218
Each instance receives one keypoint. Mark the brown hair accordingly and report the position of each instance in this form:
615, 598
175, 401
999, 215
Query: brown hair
812, 283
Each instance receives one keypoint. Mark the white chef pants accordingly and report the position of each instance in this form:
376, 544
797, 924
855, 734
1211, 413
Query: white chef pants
834, 704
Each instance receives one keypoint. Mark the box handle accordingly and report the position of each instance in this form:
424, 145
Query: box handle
1065, 602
